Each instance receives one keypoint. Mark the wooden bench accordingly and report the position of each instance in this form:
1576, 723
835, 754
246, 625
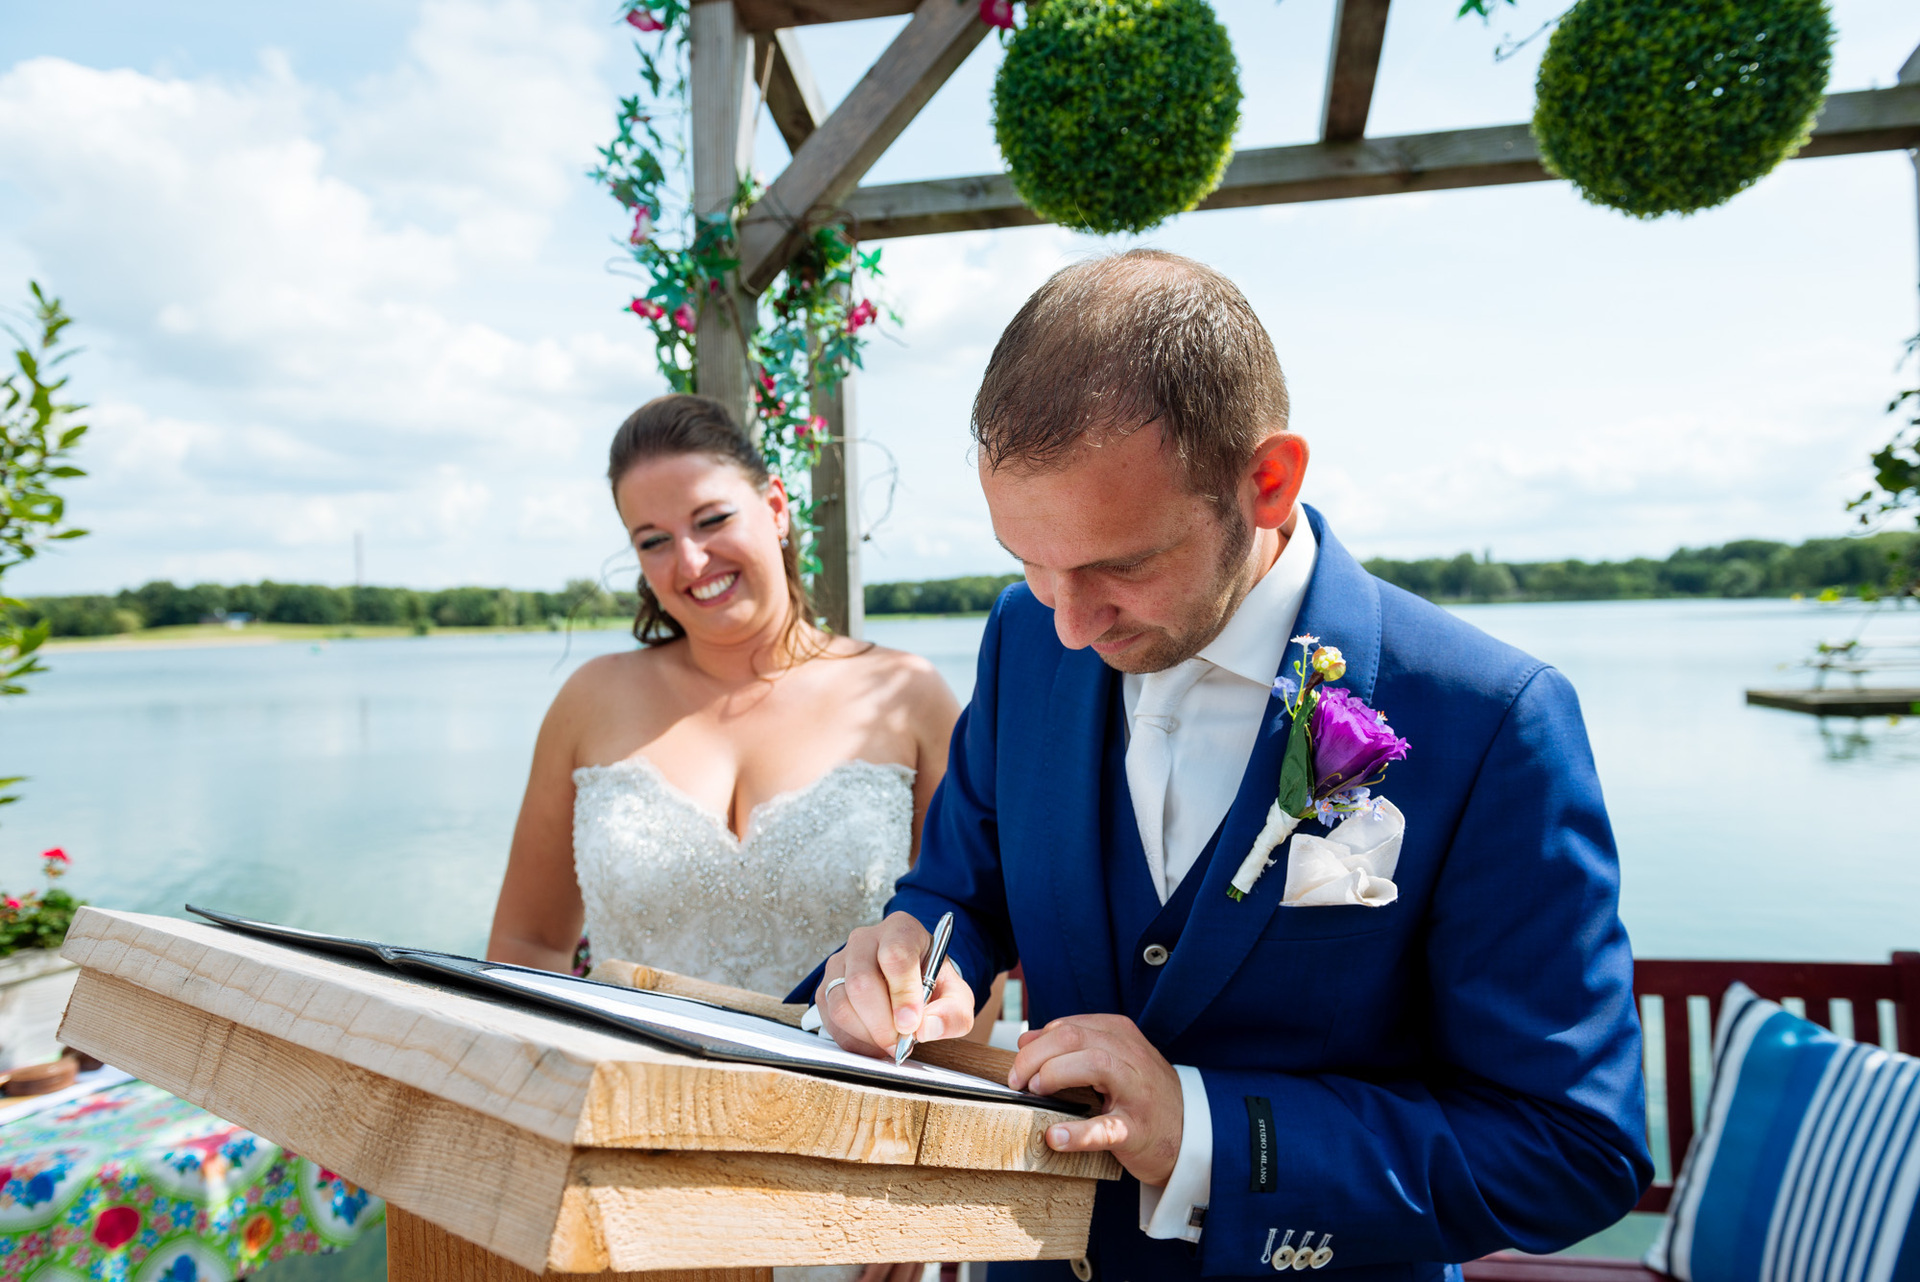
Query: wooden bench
1876, 1002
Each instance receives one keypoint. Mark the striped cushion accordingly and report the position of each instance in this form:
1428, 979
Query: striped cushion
1808, 1163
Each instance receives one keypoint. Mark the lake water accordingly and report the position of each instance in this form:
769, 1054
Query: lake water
370, 786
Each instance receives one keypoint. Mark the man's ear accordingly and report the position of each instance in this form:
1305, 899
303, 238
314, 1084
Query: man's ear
1275, 477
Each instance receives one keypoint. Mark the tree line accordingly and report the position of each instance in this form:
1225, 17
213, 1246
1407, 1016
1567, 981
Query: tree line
1872, 566
164, 604
1879, 564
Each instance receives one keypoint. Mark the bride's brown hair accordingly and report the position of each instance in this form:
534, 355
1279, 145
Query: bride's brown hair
669, 426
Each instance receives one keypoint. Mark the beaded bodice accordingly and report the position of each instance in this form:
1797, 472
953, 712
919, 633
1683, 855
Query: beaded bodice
667, 884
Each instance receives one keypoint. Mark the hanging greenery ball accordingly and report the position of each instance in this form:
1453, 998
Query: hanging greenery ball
1114, 115
1670, 106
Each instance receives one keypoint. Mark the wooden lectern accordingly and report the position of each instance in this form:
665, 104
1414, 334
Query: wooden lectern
509, 1143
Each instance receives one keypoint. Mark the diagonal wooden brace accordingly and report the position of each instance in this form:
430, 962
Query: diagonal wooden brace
833, 159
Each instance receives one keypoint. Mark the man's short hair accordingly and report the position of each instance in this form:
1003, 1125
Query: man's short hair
1115, 343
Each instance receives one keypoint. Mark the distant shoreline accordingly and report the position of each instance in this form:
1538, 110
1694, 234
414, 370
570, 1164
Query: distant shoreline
215, 635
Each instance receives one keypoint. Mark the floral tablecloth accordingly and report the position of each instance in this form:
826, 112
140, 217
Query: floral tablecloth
131, 1184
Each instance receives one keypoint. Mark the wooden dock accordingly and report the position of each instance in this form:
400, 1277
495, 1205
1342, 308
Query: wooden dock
1884, 702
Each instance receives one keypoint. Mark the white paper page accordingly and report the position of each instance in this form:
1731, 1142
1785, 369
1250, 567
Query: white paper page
751, 1031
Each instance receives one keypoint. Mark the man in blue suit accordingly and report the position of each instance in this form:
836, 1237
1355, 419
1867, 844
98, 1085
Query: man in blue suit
1444, 1066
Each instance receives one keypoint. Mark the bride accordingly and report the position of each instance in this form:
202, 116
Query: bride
732, 799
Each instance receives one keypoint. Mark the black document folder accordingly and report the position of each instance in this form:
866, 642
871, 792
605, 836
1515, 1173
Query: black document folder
679, 1023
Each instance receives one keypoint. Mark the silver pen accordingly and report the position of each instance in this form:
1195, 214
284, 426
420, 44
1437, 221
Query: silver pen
936, 958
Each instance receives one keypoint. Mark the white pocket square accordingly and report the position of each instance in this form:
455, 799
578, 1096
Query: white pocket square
1353, 864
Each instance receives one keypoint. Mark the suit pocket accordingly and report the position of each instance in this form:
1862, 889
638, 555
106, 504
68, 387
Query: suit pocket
1332, 921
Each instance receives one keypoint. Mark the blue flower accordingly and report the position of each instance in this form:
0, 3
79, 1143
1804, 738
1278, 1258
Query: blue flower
182, 1269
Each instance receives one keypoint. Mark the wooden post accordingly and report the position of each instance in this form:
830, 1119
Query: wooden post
723, 97
837, 593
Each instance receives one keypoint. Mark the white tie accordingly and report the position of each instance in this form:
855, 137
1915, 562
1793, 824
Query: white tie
1150, 759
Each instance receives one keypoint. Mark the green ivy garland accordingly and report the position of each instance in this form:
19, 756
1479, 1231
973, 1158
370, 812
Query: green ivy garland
1114, 115
1670, 106
806, 333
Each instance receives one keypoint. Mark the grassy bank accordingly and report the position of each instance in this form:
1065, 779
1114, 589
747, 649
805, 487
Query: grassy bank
219, 634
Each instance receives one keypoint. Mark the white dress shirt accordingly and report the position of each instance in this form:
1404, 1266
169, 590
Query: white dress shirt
1212, 730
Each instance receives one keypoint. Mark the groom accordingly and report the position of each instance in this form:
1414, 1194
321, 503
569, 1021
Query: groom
1376, 1087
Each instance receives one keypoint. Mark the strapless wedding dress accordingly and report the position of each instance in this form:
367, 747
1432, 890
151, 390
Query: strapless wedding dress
667, 884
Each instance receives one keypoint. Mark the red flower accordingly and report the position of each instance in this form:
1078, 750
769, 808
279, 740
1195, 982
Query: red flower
683, 317
997, 13
642, 20
863, 314
766, 381
808, 428
12, 902
57, 855
116, 1227
642, 226
646, 309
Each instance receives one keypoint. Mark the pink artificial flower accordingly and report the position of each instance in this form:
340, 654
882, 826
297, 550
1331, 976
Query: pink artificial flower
643, 20
56, 855
12, 902
683, 317
642, 227
816, 424
646, 309
862, 314
997, 13
766, 381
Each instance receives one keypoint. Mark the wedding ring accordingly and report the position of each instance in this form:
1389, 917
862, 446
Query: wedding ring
828, 990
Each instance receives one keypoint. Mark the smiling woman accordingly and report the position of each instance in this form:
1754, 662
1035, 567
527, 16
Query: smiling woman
730, 800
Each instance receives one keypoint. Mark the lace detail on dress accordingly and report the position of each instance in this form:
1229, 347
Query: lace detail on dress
666, 883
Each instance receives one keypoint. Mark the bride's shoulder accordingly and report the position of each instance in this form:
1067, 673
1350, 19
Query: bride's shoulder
902, 676
609, 675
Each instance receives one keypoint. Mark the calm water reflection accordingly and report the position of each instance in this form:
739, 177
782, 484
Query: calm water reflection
371, 785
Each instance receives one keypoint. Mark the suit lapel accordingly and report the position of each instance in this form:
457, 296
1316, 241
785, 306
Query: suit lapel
1342, 608
1076, 732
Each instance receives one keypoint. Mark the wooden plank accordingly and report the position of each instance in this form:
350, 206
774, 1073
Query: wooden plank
1841, 703
723, 100
471, 1174
628, 1211
1359, 30
835, 157
559, 1080
1511, 1266
771, 15
419, 1250
836, 511
1850, 123
793, 100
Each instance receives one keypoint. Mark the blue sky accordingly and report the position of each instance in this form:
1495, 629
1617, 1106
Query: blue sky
337, 270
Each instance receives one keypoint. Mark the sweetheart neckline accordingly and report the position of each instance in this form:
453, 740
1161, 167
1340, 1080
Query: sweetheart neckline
646, 766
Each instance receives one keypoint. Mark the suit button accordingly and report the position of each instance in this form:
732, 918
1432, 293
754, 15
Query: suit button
1083, 1269
1154, 955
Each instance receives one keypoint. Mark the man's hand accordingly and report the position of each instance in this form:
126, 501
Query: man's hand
1145, 1113
880, 1002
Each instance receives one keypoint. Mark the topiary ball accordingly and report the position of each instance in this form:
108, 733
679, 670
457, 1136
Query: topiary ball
1114, 115
1670, 106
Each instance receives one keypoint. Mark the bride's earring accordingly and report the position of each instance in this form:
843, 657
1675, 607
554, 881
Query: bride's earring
783, 540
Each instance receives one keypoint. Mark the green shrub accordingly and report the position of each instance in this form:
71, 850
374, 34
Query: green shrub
1114, 115
1670, 106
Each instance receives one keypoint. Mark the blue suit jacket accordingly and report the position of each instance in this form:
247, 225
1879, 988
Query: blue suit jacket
1453, 1074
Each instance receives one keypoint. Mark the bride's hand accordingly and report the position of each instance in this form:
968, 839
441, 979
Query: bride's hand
880, 1001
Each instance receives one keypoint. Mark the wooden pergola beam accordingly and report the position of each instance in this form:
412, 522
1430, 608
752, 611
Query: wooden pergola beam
1359, 29
773, 15
793, 100
1850, 123
833, 159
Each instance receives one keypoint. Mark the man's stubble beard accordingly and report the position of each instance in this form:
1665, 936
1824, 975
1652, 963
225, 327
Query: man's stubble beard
1233, 579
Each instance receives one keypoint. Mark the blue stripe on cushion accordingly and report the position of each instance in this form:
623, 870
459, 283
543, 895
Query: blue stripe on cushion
1807, 1165
1775, 1084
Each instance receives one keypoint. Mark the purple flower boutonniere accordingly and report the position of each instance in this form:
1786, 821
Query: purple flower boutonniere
1338, 750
